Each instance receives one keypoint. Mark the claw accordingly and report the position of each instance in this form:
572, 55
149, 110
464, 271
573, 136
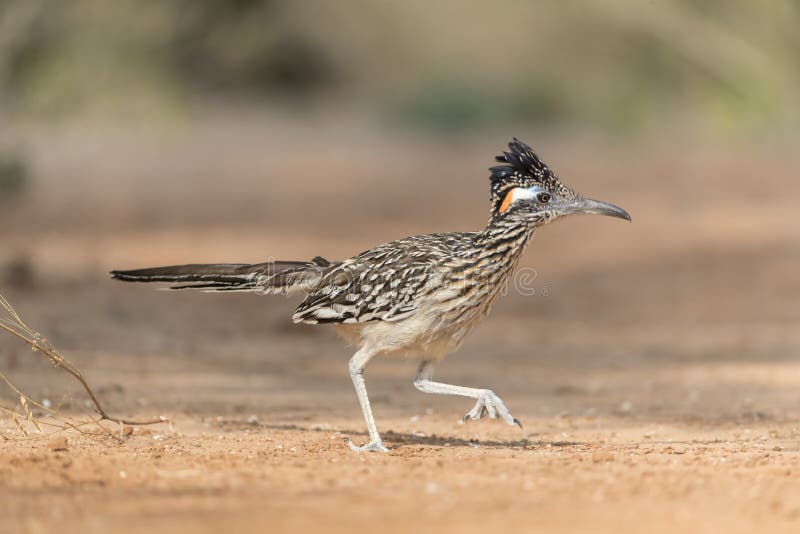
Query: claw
491, 405
372, 446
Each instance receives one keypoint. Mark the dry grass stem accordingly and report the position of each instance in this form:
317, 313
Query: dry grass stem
53, 420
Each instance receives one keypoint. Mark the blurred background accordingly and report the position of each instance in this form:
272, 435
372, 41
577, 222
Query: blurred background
136, 133
143, 133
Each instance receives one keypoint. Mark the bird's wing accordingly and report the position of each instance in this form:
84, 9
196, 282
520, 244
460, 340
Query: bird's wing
386, 283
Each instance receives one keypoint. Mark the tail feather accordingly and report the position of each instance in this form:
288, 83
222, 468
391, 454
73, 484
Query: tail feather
270, 277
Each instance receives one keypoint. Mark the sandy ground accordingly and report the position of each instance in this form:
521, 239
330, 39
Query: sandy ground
655, 368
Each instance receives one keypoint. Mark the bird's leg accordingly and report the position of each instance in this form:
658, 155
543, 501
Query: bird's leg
357, 364
487, 402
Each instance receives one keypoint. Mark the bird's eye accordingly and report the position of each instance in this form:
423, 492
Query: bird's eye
543, 197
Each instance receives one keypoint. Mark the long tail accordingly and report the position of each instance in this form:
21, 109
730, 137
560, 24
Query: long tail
270, 277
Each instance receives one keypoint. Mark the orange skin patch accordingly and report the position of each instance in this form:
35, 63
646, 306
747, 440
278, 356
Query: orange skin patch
509, 198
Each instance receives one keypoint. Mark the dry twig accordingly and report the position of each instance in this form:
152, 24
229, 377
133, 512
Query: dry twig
14, 325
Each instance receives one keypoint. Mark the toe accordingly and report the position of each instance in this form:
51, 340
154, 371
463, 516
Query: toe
376, 446
477, 411
373, 446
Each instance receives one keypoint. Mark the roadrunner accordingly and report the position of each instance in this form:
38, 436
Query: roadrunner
417, 296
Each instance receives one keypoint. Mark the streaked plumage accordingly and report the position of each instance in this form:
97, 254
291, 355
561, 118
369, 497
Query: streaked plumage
418, 296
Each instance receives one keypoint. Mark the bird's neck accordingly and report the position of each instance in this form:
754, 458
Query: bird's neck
505, 235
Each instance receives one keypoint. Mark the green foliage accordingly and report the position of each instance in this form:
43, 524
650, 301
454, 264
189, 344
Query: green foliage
444, 107
446, 66
14, 178
448, 106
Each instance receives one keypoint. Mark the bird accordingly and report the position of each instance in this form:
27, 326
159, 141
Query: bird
419, 296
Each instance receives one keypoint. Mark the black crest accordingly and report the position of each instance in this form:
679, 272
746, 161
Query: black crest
522, 167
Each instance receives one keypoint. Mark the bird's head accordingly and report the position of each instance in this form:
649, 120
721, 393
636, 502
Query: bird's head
524, 188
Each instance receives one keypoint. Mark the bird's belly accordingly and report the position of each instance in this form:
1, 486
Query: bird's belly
426, 334
436, 328
413, 336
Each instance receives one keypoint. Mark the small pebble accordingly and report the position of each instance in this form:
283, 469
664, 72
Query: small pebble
602, 457
58, 444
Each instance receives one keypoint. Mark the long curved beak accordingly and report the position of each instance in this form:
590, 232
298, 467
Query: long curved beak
594, 207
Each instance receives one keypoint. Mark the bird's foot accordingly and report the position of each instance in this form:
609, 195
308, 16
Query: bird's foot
493, 406
372, 446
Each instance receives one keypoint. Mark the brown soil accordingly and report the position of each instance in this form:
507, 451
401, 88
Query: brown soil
656, 368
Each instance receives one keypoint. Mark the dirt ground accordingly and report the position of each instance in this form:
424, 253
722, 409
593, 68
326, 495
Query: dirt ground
655, 367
